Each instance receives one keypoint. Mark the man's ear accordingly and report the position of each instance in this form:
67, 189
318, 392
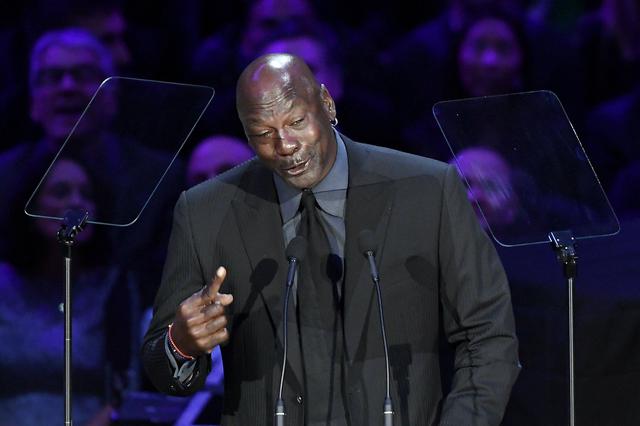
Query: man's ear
327, 102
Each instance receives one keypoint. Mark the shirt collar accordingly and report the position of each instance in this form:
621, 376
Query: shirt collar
330, 192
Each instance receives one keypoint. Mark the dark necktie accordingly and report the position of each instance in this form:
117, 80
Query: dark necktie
319, 322
317, 291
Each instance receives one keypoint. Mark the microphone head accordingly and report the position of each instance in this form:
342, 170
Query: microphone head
297, 248
366, 242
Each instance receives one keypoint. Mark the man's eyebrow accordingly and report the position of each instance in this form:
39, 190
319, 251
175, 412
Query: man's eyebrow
253, 120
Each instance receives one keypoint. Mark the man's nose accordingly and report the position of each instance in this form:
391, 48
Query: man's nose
286, 144
76, 200
490, 58
67, 81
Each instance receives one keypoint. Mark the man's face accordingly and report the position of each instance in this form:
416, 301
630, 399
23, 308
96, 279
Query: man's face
289, 130
65, 80
66, 187
490, 59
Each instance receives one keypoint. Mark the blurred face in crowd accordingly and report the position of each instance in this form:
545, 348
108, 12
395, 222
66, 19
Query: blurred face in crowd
490, 59
110, 28
265, 16
67, 186
215, 155
490, 188
286, 117
314, 54
622, 19
65, 79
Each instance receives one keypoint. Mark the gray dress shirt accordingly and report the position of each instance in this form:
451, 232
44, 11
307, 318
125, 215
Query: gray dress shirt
331, 194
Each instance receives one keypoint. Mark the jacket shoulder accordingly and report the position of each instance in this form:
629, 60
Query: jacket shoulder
397, 164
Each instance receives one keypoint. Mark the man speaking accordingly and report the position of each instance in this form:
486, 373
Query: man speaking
223, 281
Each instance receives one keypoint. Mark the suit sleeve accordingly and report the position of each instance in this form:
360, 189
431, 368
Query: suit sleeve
181, 278
477, 315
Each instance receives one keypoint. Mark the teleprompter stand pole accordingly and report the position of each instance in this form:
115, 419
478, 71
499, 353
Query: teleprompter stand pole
563, 244
74, 222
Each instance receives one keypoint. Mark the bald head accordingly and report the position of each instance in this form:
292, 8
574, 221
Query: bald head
273, 76
286, 116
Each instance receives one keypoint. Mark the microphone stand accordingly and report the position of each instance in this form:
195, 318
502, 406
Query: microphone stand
74, 222
387, 409
366, 244
295, 254
280, 411
563, 244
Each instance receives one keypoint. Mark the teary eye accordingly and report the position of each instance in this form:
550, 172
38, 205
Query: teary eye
263, 134
297, 122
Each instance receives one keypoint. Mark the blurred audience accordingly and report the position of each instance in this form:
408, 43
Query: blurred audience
65, 70
220, 58
236, 46
624, 192
609, 45
214, 155
67, 67
427, 62
31, 319
423, 56
106, 21
612, 136
489, 58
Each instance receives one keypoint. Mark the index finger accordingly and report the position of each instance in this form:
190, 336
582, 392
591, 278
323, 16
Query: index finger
210, 291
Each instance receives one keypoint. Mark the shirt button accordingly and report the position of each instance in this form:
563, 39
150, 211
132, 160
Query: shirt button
299, 399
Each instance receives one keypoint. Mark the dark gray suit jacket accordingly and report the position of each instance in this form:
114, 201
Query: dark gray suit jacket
439, 273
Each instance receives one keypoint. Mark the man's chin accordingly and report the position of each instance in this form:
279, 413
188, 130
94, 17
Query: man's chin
303, 181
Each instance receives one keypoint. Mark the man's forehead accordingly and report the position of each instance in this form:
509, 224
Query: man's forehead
256, 109
265, 92
64, 55
283, 95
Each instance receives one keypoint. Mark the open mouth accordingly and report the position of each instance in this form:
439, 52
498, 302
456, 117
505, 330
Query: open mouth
296, 169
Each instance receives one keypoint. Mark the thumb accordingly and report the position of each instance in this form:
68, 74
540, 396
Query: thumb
210, 291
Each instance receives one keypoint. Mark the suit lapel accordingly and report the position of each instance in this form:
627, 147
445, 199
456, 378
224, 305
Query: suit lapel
369, 205
260, 224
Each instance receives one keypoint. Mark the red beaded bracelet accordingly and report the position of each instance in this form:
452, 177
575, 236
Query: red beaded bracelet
173, 345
